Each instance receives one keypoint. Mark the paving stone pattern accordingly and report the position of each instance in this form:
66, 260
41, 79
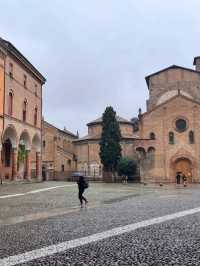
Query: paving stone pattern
175, 242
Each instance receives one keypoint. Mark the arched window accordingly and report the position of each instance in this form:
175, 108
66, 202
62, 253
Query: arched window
10, 103
36, 89
24, 111
152, 135
11, 70
44, 143
191, 137
141, 153
171, 138
151, 156
35, 116
25, 81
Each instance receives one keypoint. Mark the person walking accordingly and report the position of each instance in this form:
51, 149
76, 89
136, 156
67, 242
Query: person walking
184, 180
82, 185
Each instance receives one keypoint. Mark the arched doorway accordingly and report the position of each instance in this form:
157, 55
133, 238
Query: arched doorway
44, 177
7, 148
23, 162
184, 166
9, 153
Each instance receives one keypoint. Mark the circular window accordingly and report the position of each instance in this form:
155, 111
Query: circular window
181, 125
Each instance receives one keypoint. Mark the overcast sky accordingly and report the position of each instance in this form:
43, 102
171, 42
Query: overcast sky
96, 53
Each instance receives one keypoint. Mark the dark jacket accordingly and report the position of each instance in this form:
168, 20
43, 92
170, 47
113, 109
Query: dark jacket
81, 183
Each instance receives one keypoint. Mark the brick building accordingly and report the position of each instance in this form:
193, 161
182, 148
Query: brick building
166, 138
169, 131
58, 158
20, 115
87, 148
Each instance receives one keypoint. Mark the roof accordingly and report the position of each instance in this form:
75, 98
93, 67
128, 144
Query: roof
195, 59
65, 131
87, 138
170, 67
119, 119
169, 100
9, 47
98, 137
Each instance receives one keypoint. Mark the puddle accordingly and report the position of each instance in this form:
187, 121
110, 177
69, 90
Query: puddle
110, 201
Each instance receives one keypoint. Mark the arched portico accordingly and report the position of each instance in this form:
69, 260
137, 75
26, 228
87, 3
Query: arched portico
9, 152
36, 147
11, 134
24, 162
25, 140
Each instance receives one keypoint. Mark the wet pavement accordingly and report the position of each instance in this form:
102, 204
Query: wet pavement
24, 199
33, 221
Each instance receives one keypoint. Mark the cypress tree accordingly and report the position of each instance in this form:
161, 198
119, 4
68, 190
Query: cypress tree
110, 148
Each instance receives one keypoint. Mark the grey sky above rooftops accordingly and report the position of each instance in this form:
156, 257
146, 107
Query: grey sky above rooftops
96, 53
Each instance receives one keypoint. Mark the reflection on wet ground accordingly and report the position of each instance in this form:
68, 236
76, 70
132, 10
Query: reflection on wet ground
110, 201
48, 199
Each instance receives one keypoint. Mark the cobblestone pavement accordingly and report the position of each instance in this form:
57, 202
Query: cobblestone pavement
172, 242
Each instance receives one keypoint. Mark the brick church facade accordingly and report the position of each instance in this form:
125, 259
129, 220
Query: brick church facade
166, 139
169, 131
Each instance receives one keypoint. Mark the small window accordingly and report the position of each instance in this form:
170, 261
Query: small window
152, 135
69, 162
44, 143
191, 137
36, 89
35, 116
25, 81
171, 138
62, 168
24, 111
10, 103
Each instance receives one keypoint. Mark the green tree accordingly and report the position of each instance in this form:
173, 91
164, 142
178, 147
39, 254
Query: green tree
110, 148
127, 167
21, 154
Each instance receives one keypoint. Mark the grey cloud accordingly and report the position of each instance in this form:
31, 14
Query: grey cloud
97, 53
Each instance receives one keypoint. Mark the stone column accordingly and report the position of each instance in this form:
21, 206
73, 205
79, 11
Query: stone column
28, 165
14, 163
38, 166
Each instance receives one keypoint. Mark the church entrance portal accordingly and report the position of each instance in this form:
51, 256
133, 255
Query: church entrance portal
184, 166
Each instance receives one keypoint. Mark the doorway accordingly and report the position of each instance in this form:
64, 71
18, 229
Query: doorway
184, 166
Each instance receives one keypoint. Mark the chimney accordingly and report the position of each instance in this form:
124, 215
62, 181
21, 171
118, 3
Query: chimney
196, 63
